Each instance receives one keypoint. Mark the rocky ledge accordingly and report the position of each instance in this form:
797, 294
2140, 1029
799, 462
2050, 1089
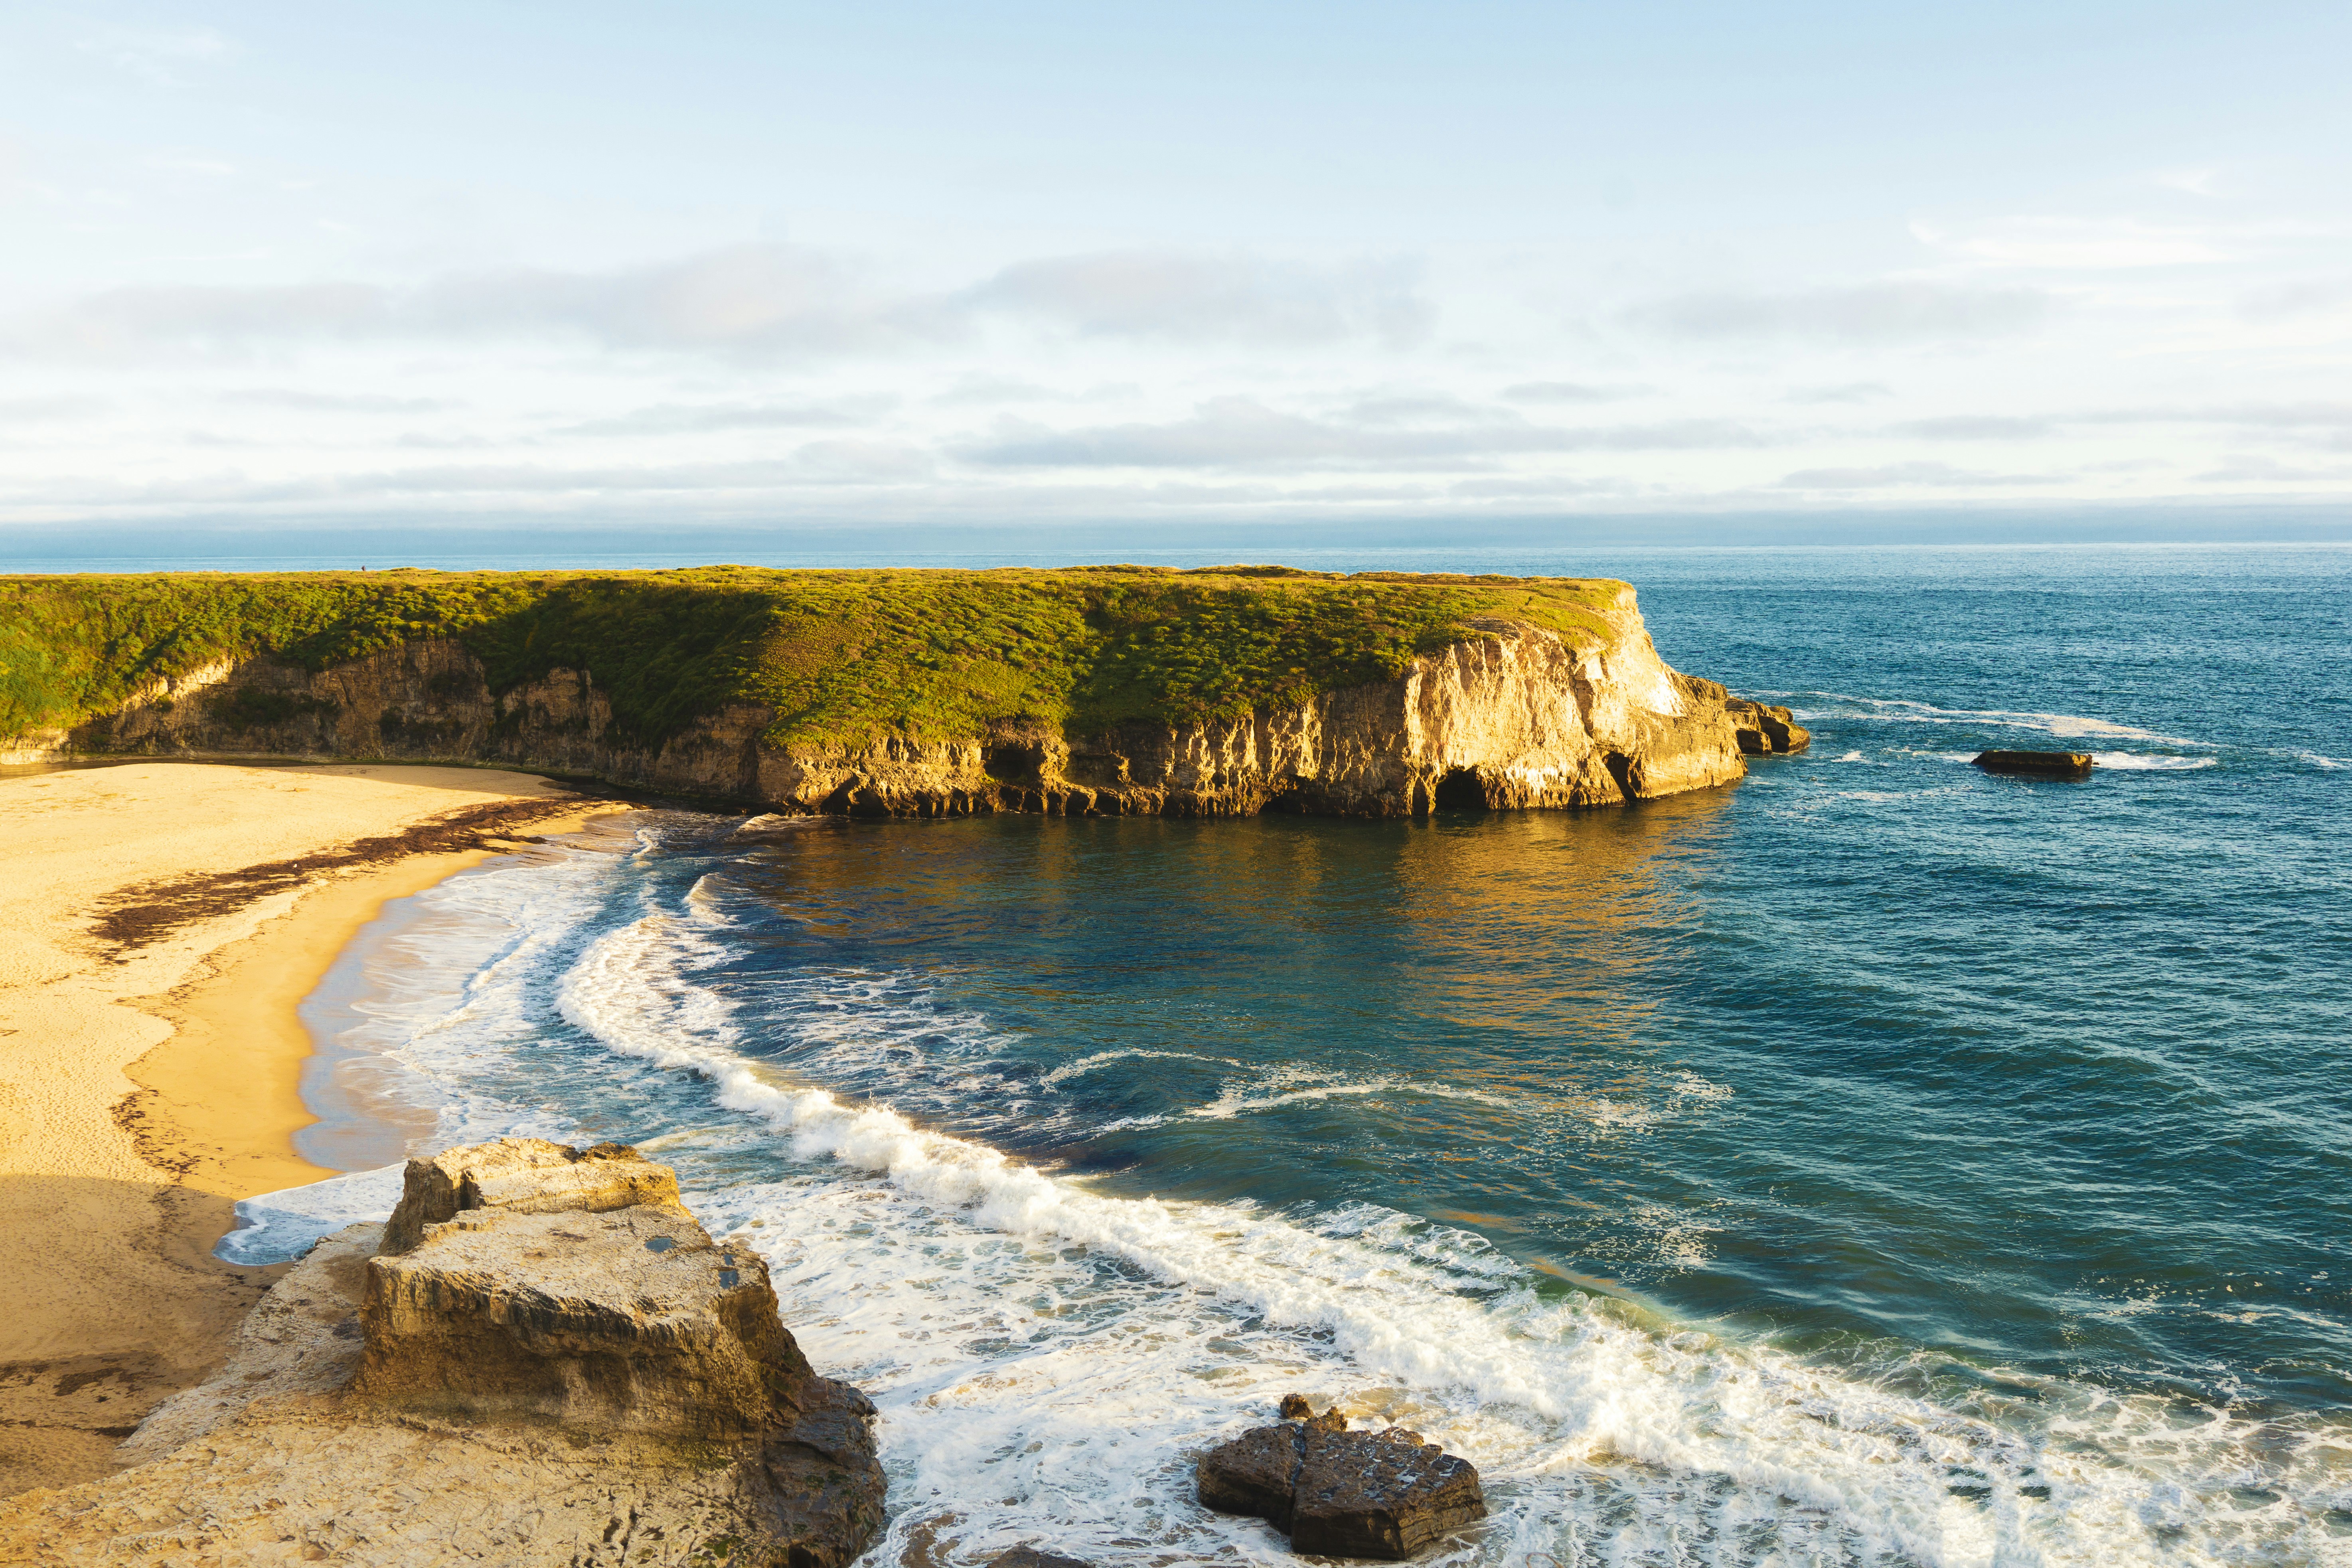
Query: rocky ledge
1763, 729
1339, 1493
1512, 716
543, 1359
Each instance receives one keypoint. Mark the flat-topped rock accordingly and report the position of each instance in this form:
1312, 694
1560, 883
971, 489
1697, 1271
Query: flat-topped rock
629, 1320
529, 1175
1338, 1493
1379, 1494
540, 1376
2036, 764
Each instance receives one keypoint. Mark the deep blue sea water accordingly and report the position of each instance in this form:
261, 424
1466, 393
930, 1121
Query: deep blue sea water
1875, 1162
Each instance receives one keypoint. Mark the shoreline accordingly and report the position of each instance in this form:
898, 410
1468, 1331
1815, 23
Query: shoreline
168, 920
220, 1099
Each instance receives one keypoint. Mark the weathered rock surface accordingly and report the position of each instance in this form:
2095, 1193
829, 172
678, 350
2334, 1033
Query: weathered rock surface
2036, 764
570, 1285
1339, 1493
1030, 1557
1255, 1474
525, 1175
1763, 729
1514, 716
339, 1433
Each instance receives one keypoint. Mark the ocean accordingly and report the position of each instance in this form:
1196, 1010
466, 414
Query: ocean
1872, 1162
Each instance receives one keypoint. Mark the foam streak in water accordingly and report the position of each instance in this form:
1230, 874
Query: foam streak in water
1536, 1389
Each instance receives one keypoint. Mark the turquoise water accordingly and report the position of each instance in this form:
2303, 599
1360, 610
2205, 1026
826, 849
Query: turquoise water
1875, 1162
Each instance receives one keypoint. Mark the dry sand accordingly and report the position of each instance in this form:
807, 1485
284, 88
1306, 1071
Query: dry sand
158, 923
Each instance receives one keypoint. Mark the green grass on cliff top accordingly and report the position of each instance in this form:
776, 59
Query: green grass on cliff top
850, 654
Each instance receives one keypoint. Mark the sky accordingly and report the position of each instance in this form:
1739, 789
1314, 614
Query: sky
323, 263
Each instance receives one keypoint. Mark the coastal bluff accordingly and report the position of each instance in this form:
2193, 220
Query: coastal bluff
541, 1358
1084, 691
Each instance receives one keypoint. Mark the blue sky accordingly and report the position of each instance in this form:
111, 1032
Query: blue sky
1107, 263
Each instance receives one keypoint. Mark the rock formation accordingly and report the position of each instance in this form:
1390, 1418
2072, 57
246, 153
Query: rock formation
1762, 728
1338, 1493
1030, 1557
541, 1360
1514, 716
525, 1279
2036, 764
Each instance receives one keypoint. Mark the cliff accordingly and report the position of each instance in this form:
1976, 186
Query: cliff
541, 1360
1112, 690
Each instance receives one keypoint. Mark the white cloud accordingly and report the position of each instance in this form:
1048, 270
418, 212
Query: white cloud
2305, 416
700, 418
1570, 392
186, 163
2071, 244
49, 410
752, 301
300, 402
1413, 408
1244, 433
1975, 428
1841, 392
1907, 476
2242, 468
865, 462
1866, 314
2301, 296
157, 54
1227, 298
2197, 180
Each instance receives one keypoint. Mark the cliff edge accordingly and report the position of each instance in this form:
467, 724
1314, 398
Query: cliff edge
543, 1359
1088, 691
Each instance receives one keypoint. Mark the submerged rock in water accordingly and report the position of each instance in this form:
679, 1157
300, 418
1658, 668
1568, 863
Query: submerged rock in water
2038, 764
1339, 1493
1255, 1473
1379, 1494
1030, 1557
551, 1371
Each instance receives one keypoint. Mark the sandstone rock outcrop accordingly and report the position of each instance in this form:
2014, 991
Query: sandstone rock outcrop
524, 1175
526, 1381
1339, 1493
1514, 716
1763, 729
525, 1279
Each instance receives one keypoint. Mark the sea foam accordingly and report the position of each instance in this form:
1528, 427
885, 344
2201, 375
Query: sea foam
1596, 1424
1047, 1355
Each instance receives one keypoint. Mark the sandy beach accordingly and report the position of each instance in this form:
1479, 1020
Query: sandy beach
162, 921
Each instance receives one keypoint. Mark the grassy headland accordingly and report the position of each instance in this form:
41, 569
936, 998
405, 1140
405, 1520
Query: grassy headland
837, 655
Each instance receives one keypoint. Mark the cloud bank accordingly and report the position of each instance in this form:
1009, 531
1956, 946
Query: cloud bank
757, 302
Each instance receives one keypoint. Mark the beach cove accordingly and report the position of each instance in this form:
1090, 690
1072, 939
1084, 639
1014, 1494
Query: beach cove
162, 920
1876, 1161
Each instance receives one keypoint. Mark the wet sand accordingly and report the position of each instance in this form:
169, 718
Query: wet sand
162, 921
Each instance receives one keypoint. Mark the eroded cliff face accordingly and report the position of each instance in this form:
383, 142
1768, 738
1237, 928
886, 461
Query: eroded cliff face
1515, 716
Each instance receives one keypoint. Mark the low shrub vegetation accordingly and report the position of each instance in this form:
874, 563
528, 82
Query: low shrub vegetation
836, 655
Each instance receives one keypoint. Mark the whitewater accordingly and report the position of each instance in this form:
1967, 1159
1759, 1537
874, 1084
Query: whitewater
1924, 1171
